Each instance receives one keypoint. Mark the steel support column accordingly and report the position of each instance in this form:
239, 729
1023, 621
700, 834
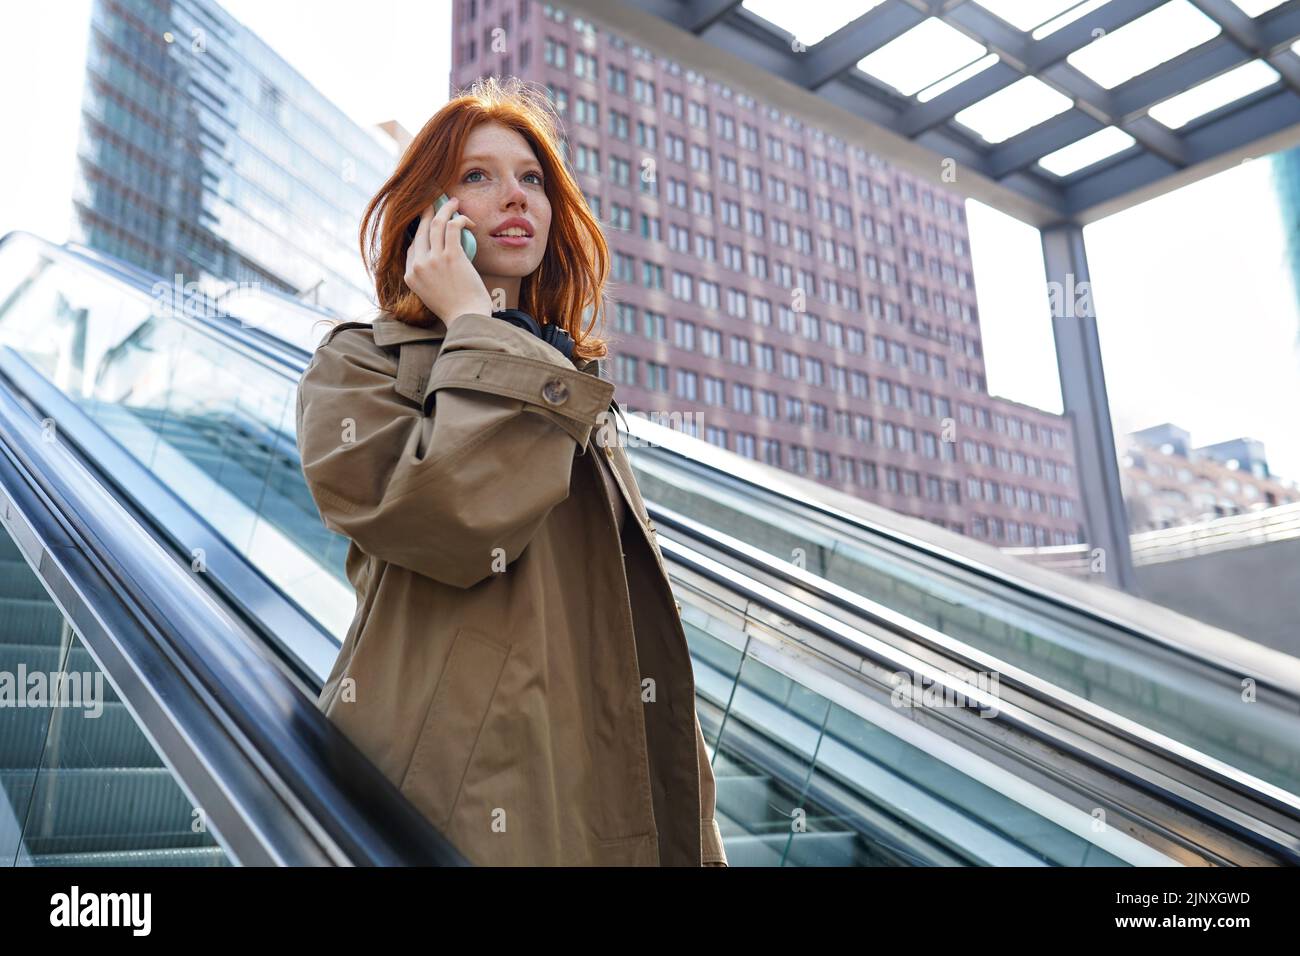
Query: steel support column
1083, 390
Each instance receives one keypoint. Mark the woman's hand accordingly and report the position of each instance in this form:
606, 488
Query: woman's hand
437, 269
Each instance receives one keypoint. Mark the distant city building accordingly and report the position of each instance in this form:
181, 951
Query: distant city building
812, 304
1167, 482
1179, 442
1246, 454
203, 153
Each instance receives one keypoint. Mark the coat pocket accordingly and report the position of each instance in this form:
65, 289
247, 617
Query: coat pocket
457, 713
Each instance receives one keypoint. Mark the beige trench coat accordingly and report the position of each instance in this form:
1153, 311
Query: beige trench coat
521, 678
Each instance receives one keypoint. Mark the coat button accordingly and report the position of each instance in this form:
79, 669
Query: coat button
555, 392
609, 451
650, 525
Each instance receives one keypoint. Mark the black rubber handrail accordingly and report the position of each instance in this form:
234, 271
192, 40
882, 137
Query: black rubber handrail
281, 782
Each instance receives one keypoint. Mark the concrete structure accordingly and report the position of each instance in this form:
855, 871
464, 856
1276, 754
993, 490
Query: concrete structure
791, 297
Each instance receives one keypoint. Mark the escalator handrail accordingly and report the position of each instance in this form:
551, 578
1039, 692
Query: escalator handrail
304, 792
741, 554
244, 589
275, 353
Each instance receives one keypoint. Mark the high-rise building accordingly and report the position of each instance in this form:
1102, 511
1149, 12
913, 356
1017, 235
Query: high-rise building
204, 154
794, 297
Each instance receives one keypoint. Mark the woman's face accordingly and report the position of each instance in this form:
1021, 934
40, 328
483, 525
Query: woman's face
499, 180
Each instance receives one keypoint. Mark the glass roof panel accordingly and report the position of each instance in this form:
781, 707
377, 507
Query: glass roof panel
1144, 43
961, 76
1087, 151
809, 22
928, 52
1254, 8
1021, 106
1209, 96
1026, 14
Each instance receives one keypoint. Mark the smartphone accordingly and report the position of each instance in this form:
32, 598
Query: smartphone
467, 240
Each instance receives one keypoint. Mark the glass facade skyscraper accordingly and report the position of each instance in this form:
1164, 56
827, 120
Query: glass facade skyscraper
202, 153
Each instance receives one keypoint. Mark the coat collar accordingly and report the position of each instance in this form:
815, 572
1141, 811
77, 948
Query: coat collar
388, 332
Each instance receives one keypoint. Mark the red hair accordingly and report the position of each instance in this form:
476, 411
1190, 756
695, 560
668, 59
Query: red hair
572, 274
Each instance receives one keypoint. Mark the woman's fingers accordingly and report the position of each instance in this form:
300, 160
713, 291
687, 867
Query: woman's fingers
440, 275
419, 247
431, 234
460, 223
438, 238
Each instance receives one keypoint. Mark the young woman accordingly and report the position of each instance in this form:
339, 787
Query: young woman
517, 663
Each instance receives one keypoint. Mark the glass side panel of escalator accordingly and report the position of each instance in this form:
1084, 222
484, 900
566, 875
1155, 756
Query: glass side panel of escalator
1154, 686
213, 421
807, 780
80, 782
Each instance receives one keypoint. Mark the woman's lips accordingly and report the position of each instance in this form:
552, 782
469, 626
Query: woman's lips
515, 242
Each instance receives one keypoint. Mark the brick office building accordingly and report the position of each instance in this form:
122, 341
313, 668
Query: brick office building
796, 299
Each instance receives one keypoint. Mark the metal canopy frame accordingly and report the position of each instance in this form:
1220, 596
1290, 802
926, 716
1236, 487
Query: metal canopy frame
1005, 175
822, 85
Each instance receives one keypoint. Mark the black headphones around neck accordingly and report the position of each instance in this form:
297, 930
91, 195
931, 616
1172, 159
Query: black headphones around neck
550, 332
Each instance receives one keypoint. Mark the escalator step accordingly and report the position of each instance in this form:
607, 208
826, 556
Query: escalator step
36, 657
29, 736
30, 620
177, 856
18, 581
9, 549
102, 809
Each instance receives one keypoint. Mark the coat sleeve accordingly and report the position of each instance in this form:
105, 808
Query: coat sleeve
450, 488
711, 849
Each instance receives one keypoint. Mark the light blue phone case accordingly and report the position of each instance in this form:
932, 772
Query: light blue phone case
467, 240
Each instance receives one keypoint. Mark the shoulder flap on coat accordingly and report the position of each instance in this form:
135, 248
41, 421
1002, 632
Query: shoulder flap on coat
414, 362
414, 366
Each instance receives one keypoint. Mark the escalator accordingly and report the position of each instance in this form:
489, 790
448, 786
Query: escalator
1195, 713
871, 697
87, 784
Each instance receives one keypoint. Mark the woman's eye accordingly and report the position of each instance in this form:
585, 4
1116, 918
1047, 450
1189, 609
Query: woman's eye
479, 172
